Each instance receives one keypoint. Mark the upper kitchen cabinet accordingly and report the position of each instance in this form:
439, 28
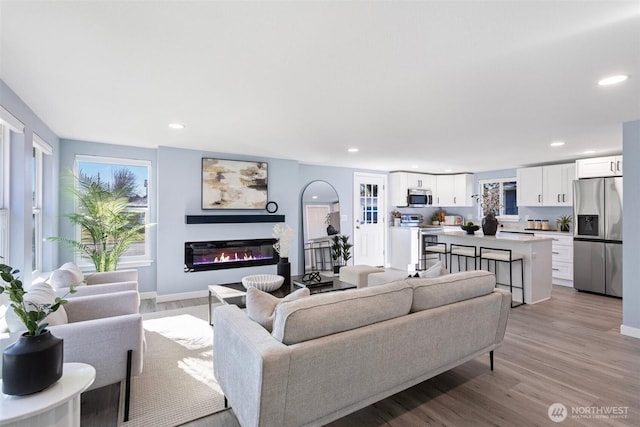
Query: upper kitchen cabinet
599, 166
401, 182
546, 185
529, 186
453, 190
557, 184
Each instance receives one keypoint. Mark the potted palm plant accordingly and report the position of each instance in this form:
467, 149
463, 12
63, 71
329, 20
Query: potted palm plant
340, 251
34, 362
565, 222
108, 227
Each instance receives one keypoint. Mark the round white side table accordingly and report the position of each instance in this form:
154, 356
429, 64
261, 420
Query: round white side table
58, 405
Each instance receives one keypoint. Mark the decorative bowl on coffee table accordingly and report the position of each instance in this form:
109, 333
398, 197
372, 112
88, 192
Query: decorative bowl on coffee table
470, 229
263, 282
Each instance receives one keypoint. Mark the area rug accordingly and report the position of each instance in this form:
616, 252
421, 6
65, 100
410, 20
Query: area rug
177, 383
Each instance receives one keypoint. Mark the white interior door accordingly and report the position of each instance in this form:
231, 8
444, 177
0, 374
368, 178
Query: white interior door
369, 209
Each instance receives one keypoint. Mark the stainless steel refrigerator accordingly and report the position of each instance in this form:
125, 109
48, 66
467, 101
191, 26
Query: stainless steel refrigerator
597, 235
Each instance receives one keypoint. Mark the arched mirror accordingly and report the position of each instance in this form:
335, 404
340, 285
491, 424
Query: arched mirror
320, 220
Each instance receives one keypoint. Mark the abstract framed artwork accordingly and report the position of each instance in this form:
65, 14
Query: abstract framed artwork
233, 184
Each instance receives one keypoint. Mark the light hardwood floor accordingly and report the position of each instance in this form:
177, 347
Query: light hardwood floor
566, 350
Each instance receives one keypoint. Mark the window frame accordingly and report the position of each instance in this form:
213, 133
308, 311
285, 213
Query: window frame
40, 149
126, 261
500, 181
5, 178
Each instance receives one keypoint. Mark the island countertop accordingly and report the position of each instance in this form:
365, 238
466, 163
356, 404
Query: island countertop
518, 237
535, 251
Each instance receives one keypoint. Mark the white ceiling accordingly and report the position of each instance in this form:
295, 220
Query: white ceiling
466, 86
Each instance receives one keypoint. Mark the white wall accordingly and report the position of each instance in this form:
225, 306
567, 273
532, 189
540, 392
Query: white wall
631, 232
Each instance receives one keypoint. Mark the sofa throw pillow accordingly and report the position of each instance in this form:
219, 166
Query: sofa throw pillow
38, 293
66, 276
261, 305
436, 270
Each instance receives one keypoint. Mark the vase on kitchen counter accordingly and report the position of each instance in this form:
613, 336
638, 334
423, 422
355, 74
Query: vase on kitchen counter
489, 225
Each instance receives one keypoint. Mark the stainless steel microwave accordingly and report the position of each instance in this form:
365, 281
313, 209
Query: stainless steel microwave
417, 198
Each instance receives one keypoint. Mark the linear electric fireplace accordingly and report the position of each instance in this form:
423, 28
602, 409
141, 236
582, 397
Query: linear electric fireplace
221, 254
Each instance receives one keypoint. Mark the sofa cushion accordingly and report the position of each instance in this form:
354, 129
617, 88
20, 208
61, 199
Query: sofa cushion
261, 305
436, 270
332, 312
450, 288
66, 276
38, 293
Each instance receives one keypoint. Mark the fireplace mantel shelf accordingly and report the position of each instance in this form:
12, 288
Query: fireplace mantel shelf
231, 219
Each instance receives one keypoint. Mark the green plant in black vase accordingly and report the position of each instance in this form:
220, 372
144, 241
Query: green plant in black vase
565, 222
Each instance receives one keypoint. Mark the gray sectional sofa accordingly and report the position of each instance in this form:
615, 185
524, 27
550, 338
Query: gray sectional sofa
331, 354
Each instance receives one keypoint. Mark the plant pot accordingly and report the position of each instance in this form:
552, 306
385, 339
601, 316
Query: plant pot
336, 269
564, 228
489, 225
284, 270
31, 364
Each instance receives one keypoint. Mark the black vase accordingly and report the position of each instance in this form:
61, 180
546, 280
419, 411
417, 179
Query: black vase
284, 270
31, 364
489, 225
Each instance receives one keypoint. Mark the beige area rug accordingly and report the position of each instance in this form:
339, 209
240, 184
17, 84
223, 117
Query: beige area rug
177, 383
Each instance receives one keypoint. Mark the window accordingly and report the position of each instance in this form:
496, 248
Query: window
133, 175
40, 148
505, 190
4, 193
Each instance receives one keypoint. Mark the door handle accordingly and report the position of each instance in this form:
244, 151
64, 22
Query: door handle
556, 253
555, 269
454, 200
539, 198
563, 198
558, 198
618, 167
612, 167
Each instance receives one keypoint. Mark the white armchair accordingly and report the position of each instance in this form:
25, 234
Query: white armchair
104, 331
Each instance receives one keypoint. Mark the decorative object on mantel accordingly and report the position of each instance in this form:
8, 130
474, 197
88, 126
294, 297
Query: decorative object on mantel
340, 251
233, 184
565, 222
490, 203
34, 362
271, 207
284, 234
470, 227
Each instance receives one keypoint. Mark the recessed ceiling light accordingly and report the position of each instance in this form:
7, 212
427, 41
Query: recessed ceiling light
589, 152
448, 170
353, 150
314, 197
414, 166
176, 125
613, 80
557, 144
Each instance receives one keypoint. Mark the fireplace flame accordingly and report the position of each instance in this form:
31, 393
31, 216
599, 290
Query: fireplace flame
228, 258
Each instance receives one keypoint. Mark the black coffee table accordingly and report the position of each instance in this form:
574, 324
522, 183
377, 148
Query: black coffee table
235, 293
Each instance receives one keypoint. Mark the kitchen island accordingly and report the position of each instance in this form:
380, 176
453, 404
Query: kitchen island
536, 251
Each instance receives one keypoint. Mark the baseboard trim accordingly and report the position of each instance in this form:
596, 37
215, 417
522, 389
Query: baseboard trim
184, 295
148, 295
629, 331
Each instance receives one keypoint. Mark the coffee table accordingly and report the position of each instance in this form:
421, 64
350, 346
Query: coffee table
235, 293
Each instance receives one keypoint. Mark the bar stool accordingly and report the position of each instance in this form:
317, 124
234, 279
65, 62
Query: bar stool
507, 256
437, 248
465, 251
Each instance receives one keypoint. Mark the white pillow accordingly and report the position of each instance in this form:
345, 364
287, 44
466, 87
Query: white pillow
261, 305
66, 276
38, 293
436, 270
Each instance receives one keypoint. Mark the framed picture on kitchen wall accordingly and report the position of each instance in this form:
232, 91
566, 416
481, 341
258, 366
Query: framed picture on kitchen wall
233, 184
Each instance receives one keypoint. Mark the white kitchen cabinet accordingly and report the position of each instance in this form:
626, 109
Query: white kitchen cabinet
453, 190
404, 247
419, 180
557, 184
398, 189
599, 166
529, 186
561, 257
546, 185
